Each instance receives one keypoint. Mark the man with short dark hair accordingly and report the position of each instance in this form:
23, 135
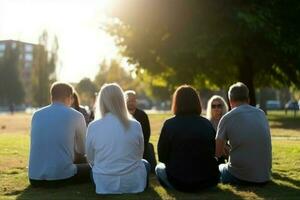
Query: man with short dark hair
247, 131
58, 141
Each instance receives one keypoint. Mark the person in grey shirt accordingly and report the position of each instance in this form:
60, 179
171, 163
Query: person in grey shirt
58, 141
247, 131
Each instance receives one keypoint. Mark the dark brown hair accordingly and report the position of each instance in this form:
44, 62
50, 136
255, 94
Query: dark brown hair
76, 101
186, 101
60, 90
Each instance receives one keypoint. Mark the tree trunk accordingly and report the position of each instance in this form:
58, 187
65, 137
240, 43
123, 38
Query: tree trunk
246, 76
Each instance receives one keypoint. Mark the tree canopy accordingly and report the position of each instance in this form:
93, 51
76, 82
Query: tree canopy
43, 70
87, 91
11, 87
212, 42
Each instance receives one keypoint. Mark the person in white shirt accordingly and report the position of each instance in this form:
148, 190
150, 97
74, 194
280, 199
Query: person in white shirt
115, 146
58, 142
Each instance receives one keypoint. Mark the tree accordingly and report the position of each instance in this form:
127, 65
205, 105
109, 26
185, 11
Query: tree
11, 87
86, 90
212, 43
43, 70
113, 72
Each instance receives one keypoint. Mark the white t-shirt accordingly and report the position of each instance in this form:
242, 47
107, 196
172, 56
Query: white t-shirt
116, 156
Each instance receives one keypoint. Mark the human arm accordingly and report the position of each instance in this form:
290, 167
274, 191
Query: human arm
163, 145
90, 152
80, 136
222, 149
141, 141
146, 129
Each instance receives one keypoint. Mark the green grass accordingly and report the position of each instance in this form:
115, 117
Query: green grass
285, 184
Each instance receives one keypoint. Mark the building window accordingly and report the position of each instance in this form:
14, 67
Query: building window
2, 47
14, 45
28, 48
28, 57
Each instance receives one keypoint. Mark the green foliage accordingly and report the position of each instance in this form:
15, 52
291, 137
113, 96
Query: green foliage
11, 87
113, 72
43, 70
212, 43
86, 90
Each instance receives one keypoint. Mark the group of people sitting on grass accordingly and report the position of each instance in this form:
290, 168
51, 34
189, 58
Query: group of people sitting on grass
114, 152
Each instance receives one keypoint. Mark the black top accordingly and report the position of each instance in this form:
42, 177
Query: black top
142, 117
187, 147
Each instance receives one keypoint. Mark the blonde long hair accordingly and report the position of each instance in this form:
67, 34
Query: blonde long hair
111, 100
208, 108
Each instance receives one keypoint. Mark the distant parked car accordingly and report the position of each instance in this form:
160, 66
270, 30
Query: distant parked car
291, 105
273, 105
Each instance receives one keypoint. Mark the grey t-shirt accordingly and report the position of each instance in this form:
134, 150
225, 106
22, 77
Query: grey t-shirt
247, 130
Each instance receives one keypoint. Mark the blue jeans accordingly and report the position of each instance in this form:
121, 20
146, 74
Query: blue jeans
148, 169
160, 171
227, 177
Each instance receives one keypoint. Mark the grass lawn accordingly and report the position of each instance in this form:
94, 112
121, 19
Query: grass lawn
285, 184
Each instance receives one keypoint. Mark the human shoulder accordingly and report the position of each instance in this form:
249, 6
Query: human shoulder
40, 111
141, 113
76, 114
133, 122
95, 124
171, 121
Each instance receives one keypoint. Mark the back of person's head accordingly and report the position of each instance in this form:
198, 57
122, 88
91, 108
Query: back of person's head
238, 92
111, 100
186, 101
210, 102
76, 101
60, 91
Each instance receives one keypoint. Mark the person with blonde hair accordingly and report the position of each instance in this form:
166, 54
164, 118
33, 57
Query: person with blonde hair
216, 108
115, 146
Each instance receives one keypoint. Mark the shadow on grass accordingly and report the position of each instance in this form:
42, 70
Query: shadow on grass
280, 187
285, 121
86, 191
80, 191
210, 193
281, 177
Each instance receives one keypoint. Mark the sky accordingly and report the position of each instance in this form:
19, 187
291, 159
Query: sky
76, 23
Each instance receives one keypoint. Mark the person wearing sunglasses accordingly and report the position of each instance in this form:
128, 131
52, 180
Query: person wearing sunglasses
216, 108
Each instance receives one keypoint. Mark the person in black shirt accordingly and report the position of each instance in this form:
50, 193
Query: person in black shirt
76, 105
186, 146
141, 117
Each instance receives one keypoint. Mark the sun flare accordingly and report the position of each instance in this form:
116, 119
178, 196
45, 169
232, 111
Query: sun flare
83, 45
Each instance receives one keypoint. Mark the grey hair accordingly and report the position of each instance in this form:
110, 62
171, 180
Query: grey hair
238, 92
111, 100
208, 108
129, 92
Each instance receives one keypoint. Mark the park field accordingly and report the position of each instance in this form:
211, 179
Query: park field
285, 184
